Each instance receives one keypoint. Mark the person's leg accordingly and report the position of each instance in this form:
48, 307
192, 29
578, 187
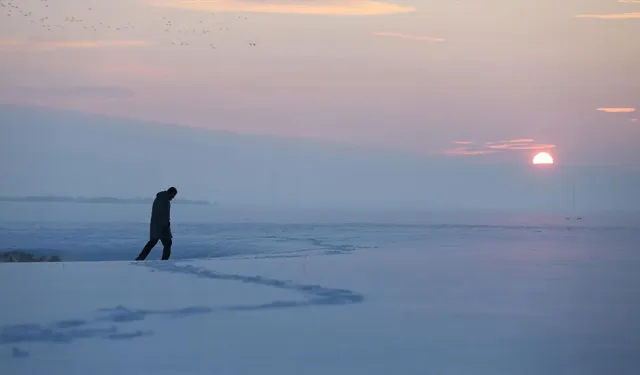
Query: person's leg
166, 251
147, 249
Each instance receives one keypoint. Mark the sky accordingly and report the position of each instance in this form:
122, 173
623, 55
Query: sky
412, 75
489, 82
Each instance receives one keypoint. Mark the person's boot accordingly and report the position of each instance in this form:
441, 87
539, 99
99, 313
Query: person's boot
146, 250
166, 253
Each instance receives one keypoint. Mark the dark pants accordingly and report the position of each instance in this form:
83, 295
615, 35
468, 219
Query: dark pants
166, 251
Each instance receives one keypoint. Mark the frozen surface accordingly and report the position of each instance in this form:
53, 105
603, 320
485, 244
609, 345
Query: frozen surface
468, 311
90, 232
511, 297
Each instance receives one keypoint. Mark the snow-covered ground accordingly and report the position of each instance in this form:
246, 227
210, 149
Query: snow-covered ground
468, 310
437, 294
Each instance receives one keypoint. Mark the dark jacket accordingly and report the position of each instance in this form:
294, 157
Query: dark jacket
160, 226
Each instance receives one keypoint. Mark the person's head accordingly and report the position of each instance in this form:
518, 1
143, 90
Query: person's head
172, 192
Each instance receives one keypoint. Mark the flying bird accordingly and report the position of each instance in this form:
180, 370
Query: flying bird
38, 12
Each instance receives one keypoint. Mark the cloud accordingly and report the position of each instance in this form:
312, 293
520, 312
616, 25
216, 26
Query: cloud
73, 92
134, 68
41, 45
463, 151
611, 16
520, 140
408, 36
522, 146
10, 42
309, 7
614, 16
616, 110
486, 148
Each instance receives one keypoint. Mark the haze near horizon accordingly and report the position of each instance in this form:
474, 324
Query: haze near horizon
336, 103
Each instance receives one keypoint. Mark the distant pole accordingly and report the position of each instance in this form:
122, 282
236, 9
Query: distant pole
574, 215
573, 197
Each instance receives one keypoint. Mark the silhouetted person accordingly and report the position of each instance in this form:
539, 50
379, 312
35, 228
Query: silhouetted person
160, 226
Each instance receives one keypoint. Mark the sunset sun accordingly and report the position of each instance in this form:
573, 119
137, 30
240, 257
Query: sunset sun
543, 158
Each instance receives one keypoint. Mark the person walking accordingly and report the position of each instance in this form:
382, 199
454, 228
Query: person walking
160, 225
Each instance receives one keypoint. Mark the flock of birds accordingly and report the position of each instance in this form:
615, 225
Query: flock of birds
38, 13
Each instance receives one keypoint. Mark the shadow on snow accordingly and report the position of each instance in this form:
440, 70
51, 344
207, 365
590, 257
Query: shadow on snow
106, 323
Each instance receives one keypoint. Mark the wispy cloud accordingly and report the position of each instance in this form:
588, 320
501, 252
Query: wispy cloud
10, 42
486, 148
513, 141
315, 7
611, 16
134, 68
408, 36
522, 146
614, 16
617, 110
464, 151
43, 45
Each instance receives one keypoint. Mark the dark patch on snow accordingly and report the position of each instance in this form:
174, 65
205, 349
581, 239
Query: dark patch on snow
314, 294
18, 353
69, 330
129, 335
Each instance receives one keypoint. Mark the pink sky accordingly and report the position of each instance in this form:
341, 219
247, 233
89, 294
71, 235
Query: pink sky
411, 75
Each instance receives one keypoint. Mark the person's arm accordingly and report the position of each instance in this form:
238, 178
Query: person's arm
165, 221
169, 214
